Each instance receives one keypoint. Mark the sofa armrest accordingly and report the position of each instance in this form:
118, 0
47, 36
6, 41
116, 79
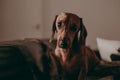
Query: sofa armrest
13, 65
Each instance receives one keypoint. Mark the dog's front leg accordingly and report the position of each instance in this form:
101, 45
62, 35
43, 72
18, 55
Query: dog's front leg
82, 75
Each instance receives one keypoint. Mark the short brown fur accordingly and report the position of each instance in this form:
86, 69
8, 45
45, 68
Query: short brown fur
76, 58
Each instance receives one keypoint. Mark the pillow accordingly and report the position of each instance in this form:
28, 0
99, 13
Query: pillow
107, 47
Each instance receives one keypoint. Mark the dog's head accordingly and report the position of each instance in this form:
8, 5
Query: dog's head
67, 27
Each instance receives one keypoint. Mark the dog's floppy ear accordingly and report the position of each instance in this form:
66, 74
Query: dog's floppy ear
83, 33
53, 29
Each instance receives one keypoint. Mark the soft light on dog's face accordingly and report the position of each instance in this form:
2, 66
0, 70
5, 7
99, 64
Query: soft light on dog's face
67, 26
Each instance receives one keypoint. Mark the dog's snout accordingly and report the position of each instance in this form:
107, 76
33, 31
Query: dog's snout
64, 43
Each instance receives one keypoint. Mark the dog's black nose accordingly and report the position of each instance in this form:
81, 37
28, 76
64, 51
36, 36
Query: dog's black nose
64, 43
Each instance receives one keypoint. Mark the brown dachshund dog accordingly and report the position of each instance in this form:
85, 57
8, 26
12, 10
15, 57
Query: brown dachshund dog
75, 58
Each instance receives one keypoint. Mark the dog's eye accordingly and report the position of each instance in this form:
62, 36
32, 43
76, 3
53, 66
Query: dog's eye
73, 27
59, 24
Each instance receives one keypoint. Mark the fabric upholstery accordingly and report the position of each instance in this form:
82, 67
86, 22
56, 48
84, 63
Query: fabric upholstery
35, 61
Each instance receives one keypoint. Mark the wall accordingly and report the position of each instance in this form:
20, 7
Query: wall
0, 19
20, 19
101, 17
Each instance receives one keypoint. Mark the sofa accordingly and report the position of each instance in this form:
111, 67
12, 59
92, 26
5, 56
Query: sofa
26, 60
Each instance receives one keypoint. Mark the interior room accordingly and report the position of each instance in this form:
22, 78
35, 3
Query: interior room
33, 19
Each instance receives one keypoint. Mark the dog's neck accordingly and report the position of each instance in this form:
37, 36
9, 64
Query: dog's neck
62, 54
67, 54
